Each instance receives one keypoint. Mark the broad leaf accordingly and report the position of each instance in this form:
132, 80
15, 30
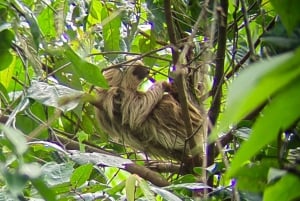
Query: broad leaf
99, 159
55, 95
288, 12
167, 195
81, 175
46, 192
111, 31
255, 85
130, 186
86, 70
190, 186
281, 113
149, 195
287, 188
94, 16
6, 57
16, 138
55, 174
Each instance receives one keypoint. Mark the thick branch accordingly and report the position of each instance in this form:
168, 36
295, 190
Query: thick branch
133, 168
180, 82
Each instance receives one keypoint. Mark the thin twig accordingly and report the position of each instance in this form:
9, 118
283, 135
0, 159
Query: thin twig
248, 32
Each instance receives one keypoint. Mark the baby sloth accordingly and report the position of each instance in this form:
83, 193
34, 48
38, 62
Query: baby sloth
148, 121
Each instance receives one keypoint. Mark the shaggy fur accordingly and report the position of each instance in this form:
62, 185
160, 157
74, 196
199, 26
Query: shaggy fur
148, 121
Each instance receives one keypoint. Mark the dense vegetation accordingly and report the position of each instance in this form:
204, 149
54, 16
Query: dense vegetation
241, 60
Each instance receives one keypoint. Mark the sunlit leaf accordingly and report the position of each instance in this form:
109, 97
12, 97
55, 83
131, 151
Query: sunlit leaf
130, 187
149, 195
7, 73
167, 195
111, 32
94, 16
46, 22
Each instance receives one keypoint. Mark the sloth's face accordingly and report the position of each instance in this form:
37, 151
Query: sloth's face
140, 72
128, 76
133, 75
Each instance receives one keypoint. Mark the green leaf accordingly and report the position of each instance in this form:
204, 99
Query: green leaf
254, 173
287, 188
190, 186
94, 16
288, 12
46, 22
43, 189
7, 70
130, 187
100, 159
6, 57
255, 85
281, 113
81, 175
15, 182
167, 195
55, 95
55, 174
16, 138
86, 70
6, 39
149, 195
111, 31
116, 188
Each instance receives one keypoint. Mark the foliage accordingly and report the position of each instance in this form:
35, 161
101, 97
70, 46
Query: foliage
52, 54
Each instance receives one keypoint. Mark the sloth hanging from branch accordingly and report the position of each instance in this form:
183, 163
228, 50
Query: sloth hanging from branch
149, 121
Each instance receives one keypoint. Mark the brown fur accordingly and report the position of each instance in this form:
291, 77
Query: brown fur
149, 121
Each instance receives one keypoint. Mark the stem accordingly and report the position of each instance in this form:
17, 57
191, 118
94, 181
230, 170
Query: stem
246, 22
218, 78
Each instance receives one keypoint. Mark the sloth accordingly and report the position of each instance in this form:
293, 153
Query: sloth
149, 121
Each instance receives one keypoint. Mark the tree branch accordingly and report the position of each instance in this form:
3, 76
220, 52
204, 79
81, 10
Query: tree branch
180, 81
133, 168
171, 30
218, 77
